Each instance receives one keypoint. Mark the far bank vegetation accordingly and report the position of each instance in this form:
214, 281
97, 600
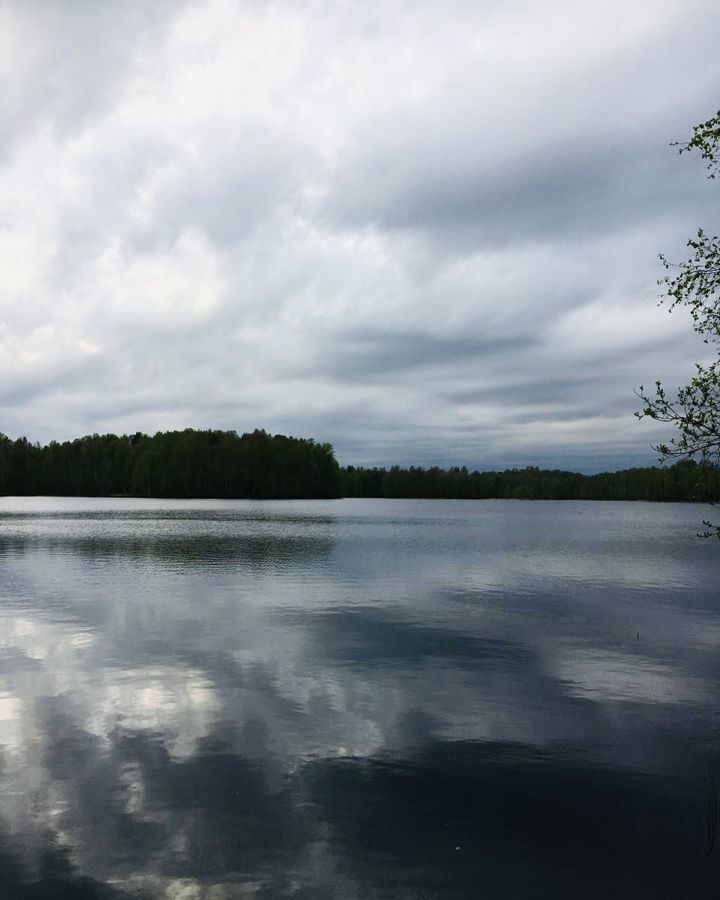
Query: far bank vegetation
225, 465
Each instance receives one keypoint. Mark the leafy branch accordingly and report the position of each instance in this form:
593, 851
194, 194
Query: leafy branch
695, 284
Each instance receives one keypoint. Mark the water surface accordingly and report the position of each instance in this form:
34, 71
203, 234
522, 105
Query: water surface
204, 700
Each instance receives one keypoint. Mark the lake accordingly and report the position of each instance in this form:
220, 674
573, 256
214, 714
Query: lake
205, 700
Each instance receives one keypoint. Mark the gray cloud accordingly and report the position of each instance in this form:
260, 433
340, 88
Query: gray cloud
425, 238
377, 354
67, 60
573, 191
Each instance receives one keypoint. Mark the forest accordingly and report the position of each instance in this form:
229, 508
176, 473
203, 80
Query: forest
225, 465
684, 481
189, 463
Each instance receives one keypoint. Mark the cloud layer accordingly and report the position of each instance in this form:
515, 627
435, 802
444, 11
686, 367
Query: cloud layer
424, 236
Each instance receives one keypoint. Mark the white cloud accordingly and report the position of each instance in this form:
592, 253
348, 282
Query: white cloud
612, 676
163, 290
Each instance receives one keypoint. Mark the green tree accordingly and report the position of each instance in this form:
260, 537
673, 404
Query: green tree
695, 284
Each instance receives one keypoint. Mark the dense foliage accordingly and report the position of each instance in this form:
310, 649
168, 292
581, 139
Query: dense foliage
172, 464
223, 464
686, 480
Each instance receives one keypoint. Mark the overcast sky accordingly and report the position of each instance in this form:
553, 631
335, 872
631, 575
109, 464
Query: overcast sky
425, 232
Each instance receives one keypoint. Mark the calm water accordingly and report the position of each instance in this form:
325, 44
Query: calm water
357, 699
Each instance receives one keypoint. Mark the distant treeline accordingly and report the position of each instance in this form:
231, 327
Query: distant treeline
186, 463
223, 464
686, 480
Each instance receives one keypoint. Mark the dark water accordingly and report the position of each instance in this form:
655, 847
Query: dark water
357, 699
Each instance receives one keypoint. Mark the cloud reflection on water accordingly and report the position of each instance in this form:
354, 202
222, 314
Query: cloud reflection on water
228, 721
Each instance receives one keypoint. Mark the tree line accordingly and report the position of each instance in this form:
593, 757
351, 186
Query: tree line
684, 481
225, 465
187, 463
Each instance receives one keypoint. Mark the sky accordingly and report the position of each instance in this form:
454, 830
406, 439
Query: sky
425, 232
